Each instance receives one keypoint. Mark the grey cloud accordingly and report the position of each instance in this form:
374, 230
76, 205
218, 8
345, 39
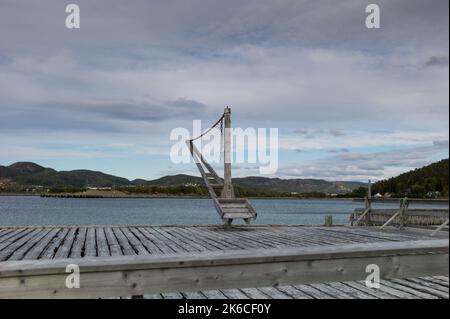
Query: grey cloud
437, 61
340, 150
441, 144
187, 104
215, 23
336, 133
95, 114
360, 166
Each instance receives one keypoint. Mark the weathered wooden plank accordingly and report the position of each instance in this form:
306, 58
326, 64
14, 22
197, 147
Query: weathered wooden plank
436, 281
211, 242
5, 231
77, 250
234, 294
295, 239
193, 295
14, 237
377, 293
254, 293
422, 288
153, 296
149, 233
254, 240
351, 291
214, 294
90, 244
192, 240
50, 250
234, 240
148, 244
175, 245
39, 248
417, 293
346, 236
123, 242
113, 244
331, 291
102, 244
313, 292
134, 242
172, 295
274, 293
184, 244
294, 292
11, 248
398, 293
200, 243
213, 238
430, 284
376, 234
64, 249
443, 278
20, 252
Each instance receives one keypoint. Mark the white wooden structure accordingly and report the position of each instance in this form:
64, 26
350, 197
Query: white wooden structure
221, 190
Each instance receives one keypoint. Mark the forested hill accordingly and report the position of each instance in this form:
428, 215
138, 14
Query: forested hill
421, 182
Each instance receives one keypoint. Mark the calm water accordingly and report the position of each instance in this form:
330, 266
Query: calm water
23, 210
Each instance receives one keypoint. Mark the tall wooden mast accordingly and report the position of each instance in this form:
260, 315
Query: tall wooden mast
227, 191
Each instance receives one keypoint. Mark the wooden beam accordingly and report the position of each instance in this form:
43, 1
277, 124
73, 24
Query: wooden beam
145, 274
198, 162
361, 216
439, 228
390, 219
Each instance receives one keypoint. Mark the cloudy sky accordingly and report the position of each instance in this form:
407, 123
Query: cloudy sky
350, 103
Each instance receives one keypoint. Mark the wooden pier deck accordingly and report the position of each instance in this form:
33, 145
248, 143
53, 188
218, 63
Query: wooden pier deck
28, 254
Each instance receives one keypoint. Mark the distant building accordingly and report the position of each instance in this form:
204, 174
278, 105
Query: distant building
434, 194
191, 184
100, 188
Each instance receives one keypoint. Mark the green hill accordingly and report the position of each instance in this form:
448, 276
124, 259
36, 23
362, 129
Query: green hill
428, 181
23, 175
29, 174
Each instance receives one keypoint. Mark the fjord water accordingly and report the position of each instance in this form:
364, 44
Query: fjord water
33, 210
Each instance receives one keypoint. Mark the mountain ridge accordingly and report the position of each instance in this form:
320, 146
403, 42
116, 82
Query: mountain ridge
29, 174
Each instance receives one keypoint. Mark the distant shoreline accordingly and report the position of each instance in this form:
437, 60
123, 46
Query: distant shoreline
355, 199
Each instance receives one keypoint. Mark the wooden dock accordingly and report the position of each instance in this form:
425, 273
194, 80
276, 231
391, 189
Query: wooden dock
218, 261
417, 217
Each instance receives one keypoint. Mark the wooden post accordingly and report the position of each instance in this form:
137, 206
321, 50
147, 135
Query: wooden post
328, 221
227, 191
368, 203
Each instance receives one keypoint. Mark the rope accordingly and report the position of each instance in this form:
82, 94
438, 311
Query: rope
209, 130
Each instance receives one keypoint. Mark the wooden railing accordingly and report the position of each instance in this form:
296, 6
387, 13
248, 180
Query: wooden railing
139, 275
